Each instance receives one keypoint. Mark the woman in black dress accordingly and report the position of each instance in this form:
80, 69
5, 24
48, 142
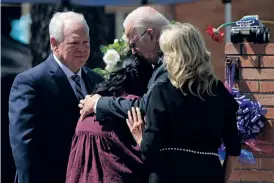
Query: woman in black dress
187, 117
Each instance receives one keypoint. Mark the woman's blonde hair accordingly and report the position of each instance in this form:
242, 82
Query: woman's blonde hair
187, 59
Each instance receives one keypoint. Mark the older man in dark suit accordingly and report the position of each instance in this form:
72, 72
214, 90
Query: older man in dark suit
143, 28
43, 102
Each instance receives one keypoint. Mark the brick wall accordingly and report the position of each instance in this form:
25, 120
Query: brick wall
204, 12
257, 81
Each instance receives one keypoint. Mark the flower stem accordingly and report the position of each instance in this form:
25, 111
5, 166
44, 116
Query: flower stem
230, 23
224, 25
267, 22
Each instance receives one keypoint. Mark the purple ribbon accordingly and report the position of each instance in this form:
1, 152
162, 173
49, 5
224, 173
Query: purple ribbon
230, 73
249, 115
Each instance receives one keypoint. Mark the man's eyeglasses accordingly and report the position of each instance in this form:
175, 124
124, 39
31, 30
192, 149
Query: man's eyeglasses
133, 45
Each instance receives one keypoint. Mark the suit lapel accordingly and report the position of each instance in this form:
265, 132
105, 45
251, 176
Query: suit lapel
65, 90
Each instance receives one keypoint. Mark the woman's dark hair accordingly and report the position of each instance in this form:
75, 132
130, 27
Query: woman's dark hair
131, 79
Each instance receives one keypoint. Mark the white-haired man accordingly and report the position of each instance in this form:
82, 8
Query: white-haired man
43, 102
143, 27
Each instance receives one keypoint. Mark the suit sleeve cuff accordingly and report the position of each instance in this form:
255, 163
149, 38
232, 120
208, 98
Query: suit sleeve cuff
94, 108
100, 108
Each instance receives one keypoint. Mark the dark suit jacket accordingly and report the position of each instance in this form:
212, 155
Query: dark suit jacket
43, 112
174, 120
112, 108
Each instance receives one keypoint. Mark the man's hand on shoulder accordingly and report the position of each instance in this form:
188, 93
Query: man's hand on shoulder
88, 105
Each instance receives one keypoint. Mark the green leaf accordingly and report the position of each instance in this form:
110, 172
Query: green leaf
103, 49
102, 72
172, 22
117, 47
110, 47
116, 44
122, 42
98, 70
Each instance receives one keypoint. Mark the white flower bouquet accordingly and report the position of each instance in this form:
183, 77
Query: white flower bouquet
113, 56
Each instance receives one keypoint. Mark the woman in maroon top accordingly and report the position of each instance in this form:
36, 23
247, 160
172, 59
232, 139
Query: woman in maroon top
105, 152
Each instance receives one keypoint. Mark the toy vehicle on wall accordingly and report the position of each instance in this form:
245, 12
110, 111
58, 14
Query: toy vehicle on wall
251, 29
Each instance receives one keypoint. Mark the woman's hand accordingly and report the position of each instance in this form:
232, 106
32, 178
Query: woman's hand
136, 124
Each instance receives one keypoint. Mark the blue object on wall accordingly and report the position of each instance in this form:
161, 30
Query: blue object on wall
20, 29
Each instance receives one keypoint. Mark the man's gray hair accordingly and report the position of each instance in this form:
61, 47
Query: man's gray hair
62, 19
146, 17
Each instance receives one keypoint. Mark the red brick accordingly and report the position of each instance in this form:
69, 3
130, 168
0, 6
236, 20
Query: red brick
257, 49
258, 74
270, 113
252, 175
269, 49
264, 99
248, 86
266, 163
261, 163
267, 61
256, 61
269, 126
250, 61
232, 49
267, 137
257, 154
267, 86
247, 166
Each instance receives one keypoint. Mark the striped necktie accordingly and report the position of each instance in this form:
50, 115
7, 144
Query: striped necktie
76, 79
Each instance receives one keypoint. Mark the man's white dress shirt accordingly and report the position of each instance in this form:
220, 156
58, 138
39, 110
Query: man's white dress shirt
69, 74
